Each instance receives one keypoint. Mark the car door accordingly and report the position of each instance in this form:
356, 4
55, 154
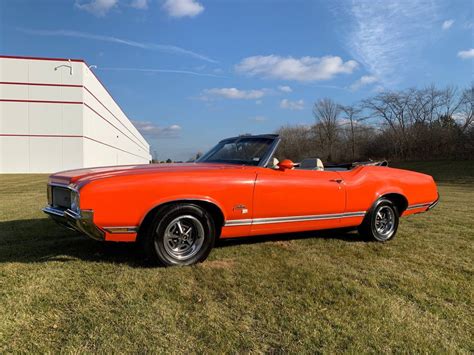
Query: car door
297, 200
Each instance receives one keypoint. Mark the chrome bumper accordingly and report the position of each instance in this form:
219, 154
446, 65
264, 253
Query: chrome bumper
81, 222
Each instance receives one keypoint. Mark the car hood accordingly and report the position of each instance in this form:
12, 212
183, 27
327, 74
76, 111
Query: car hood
89, 174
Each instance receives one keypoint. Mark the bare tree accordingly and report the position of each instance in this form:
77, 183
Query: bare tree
296, 143
428, 123
466, 108
353, 115
451, 101
434, 103
393, 109
326, 113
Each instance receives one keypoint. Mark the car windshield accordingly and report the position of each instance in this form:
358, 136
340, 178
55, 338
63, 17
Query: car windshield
241, 151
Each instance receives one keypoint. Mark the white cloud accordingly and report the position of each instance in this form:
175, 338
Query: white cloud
139, 4
147, 46
467, 54
284, 88
258, 118
447, 24
152, 130
98, 8
363, 81
387, 37
234, 93
292, 105
183, 8
299, 69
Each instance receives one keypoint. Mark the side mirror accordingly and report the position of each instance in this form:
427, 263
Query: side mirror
286, 165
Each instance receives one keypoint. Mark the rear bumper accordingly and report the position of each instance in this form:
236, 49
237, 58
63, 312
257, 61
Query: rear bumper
82, 222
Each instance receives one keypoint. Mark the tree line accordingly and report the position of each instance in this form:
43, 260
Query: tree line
412, 124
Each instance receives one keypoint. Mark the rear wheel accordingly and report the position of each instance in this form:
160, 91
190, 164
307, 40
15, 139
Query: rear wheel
381, 223
181, 234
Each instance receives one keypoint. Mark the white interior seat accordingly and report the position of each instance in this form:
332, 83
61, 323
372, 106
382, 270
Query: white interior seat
311, 164
275, 163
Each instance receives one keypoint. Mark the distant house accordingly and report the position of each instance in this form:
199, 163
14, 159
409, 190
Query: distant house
56, 115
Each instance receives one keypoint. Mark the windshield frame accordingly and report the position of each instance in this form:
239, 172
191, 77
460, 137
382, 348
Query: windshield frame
263, 161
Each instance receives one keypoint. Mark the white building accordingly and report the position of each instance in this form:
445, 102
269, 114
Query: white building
56, 115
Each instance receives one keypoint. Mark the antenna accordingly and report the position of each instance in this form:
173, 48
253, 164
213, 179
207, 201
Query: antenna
92, 66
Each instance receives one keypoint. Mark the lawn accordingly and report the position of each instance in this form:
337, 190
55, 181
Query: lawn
312, 292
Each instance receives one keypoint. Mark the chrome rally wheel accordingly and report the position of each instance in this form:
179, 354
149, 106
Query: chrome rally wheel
385, 221
184, 237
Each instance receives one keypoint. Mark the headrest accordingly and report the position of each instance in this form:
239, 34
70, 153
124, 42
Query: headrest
312, 164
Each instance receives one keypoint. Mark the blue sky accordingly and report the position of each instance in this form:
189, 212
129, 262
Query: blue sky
191, 72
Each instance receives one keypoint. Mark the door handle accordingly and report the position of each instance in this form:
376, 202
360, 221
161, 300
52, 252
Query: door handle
337, 180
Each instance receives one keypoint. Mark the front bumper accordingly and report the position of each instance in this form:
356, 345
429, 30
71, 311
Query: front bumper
82, 222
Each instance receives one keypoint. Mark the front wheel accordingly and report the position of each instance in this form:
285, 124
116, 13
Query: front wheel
181, 234
381, 223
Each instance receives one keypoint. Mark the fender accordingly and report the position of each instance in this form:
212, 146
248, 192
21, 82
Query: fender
179, 198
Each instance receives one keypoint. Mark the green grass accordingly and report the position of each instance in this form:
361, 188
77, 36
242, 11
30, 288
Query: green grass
324, 292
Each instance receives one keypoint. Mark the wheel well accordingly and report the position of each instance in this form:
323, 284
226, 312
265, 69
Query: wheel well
399, 201
211, 208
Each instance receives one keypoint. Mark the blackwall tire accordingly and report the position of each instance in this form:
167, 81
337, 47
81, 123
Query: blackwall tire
180, 234
381, 222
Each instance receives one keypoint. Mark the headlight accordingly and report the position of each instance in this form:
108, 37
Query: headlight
75, 201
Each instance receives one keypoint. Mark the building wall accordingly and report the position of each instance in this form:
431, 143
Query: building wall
51, 120
104, 121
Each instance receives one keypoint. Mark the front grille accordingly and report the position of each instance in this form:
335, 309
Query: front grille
61, 197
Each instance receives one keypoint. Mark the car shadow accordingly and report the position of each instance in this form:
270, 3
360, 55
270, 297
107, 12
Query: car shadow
344, 234
42, 240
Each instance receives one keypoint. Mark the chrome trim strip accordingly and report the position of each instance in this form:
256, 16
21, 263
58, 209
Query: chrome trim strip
433, 205
419, 205
271, 220
70, 187
122, 230
266, 158
238, 222
428, 205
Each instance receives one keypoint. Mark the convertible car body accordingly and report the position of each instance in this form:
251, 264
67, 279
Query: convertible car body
237, 189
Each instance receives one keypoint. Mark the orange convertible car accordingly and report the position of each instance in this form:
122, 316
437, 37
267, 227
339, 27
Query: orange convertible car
176, 211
